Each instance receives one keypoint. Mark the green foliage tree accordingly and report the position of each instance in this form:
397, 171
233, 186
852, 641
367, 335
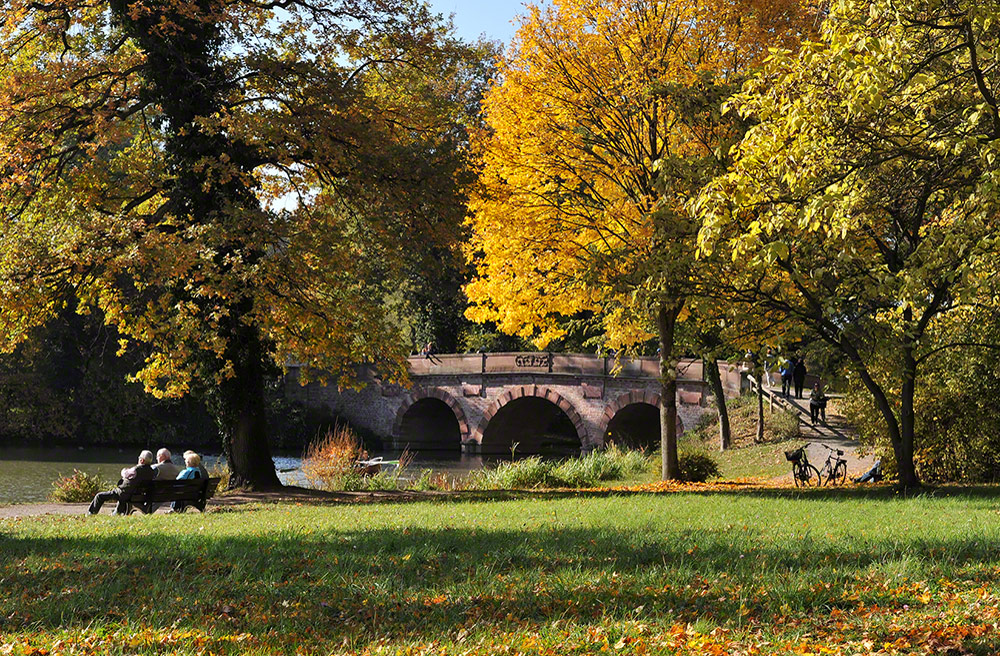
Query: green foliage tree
66, 384
864, 204
227, 181
954, 403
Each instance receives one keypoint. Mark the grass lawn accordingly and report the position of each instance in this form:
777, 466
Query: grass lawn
757, 572
765, 461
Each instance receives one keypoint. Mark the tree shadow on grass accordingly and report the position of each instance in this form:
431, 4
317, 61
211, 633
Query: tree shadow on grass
990, 493
425, 584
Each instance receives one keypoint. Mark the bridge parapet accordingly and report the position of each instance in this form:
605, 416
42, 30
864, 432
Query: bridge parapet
567, 364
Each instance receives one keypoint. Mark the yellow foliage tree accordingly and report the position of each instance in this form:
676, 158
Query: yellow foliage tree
591, 153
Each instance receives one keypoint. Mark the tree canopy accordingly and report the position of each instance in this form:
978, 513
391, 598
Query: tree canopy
227, 181
595, 141
864, 203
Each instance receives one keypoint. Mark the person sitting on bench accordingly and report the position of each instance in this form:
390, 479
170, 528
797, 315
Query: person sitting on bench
165, 468
131, 476
192, 471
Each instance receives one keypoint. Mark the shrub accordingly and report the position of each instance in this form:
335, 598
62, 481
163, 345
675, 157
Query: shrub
220, 471
697, 466
328, 463
78, 487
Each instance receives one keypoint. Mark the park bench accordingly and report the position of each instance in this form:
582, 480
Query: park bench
193, 492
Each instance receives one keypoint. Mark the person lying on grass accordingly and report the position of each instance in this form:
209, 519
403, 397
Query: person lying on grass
131, 476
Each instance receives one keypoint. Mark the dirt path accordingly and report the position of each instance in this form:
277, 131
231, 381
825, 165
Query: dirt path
284, 495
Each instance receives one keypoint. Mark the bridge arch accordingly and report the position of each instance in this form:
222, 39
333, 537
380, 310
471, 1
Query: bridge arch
637, 415
533, 398
423, 411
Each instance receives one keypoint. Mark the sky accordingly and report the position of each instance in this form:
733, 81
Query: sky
494, 18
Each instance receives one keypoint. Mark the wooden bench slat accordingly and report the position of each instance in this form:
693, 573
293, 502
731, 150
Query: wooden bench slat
194, 492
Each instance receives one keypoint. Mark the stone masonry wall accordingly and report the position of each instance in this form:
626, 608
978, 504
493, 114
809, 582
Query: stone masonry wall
582, 386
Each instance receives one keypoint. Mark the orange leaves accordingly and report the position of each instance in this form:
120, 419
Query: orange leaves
714, 486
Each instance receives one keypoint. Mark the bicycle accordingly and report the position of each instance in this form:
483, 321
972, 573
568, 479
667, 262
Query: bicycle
835, 468
802, 471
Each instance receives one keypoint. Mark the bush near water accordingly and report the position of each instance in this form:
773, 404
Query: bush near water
78, 487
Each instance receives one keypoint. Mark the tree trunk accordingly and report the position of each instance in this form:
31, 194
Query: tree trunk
242, 417
900, 433
715, 380
666, 319
907, 421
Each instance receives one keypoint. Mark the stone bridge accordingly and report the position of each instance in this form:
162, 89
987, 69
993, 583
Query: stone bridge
543, 402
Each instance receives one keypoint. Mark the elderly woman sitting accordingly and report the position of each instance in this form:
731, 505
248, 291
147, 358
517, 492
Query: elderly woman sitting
131, 476
192, 470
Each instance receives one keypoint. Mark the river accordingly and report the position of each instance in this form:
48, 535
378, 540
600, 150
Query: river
27, 473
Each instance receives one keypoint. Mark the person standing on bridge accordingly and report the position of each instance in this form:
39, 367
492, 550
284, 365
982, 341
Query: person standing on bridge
799, 375
785, 370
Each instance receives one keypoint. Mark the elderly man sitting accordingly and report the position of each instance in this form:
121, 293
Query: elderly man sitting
131, 476
165, 469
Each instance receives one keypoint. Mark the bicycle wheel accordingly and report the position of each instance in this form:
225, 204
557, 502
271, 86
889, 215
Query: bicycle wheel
839, 474
806, 475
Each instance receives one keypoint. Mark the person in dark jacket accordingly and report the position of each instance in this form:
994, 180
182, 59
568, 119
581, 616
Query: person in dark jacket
131, 476
799, 374
817, 403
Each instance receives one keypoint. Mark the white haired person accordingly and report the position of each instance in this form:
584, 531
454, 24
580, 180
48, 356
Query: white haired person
131, 476
192, 471
201, 466
166, 470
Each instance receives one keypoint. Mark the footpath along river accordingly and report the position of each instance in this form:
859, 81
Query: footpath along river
27, 473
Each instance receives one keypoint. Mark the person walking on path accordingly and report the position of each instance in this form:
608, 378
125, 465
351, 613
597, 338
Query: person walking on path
817, 403
799, 375
131, 477
768, 363
785, 370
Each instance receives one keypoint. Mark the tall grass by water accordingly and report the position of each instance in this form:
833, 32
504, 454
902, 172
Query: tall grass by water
610, 464
777, 572
330, 463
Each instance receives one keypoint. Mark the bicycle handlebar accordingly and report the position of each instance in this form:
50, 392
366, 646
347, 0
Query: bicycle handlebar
830, 448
